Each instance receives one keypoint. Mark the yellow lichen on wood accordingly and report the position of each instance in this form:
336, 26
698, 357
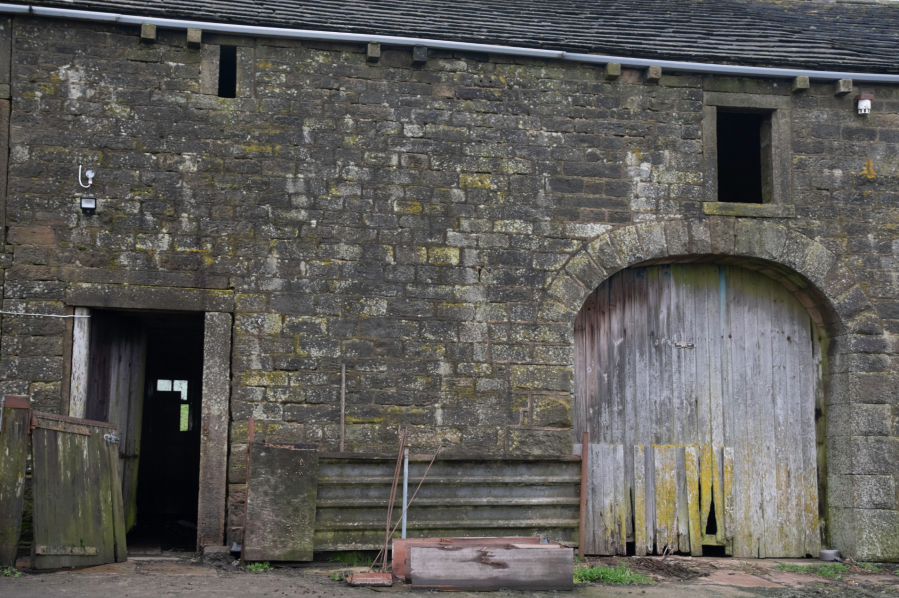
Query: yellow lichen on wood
727, 525
706, 469
719, 492
692, 465
666, 497
640, 538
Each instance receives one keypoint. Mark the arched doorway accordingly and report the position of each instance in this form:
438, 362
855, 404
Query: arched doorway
699, 386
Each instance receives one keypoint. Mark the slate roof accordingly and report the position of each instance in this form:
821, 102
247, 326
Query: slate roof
845, 35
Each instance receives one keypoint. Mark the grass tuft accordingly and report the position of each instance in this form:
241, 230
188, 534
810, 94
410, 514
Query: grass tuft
835, 571
9, 572
260, 567
350, 558
620, 574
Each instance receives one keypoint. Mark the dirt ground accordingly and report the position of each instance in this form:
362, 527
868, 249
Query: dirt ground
673, 577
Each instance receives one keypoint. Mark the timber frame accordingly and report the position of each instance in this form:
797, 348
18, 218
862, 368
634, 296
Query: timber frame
816, 277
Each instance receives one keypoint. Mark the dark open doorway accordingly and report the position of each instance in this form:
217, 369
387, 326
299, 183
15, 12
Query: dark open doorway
146, 374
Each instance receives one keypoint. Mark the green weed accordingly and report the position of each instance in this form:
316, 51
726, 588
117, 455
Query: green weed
337, 576
869, 567
620, 574
350, 558
9, 572
260, 567
835, 571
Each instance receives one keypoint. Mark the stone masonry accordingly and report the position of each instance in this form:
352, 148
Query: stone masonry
434, 227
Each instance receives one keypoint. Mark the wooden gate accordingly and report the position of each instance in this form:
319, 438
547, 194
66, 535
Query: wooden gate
78, 512
705, 380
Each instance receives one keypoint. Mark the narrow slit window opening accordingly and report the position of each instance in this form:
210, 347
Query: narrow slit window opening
228, 72
744, 156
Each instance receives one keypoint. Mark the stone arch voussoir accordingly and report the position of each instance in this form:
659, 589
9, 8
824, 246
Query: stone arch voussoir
814, 274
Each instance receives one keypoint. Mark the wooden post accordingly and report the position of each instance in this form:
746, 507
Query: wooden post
582, 524
81, 340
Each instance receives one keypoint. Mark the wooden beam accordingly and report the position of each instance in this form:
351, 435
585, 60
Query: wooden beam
81, 341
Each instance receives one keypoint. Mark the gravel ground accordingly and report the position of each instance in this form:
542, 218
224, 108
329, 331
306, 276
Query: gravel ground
673, 578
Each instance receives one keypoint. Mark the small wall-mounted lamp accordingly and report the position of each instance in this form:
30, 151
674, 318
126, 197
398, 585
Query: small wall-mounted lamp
90, 178
88, 206
864, 102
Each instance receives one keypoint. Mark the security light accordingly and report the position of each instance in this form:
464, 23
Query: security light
88, 206
864, 102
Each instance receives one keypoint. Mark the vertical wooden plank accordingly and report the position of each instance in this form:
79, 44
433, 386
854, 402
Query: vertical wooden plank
13, 453
772, 541
593, 369
214, 432
655, 399
663, 350
691, 457
641, 541
805, 338
603, 544
603, 405
621, 500
665, 498
728, 475
738, 402
783, 426
582, 450
580, 371
641, 382
650, 477
630, 416
81, 337
119, 528
682, 510
617, 351
129, 445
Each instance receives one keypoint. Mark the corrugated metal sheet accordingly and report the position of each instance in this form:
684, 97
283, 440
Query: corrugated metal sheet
461, 496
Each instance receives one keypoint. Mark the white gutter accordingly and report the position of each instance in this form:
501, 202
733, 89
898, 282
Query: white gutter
257, 31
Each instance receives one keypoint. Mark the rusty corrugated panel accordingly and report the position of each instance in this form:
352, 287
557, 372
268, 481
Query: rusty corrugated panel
470, 496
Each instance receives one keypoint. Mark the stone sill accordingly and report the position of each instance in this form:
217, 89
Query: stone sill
748, 210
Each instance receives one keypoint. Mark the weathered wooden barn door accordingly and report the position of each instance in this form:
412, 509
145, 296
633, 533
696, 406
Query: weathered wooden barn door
707, 376
115, 393
78, 511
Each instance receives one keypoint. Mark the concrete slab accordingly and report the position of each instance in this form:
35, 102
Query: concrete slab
737, 579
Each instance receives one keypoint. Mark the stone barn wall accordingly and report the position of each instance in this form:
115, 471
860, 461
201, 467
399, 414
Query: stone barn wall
409, 221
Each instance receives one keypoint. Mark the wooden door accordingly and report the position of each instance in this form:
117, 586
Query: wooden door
707, 377
115, 392
78, 512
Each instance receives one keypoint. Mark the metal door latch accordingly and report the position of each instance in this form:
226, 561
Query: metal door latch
684, 346
111, 438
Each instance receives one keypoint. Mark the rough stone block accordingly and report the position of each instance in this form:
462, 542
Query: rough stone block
799, 84
194, 37
842, 87
373, 52
148, 33
419, 55
612, 71
862, 491
653, 74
